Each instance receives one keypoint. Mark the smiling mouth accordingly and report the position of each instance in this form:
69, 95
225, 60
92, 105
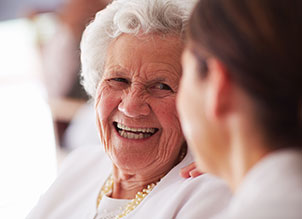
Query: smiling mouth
134, 133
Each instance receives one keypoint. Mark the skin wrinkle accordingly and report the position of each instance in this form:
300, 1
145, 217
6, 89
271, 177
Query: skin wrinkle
104, 131
139, 102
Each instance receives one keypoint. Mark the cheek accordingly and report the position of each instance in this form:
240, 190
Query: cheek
185, 106
106, 103
181, 101
195, 124
189, 96
191, 113
166, 114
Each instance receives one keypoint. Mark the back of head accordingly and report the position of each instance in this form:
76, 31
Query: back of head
260, 42
133, 17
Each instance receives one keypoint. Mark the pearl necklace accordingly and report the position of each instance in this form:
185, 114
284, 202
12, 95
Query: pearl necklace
139, 197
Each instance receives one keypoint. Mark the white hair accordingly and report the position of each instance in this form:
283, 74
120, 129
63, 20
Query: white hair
130, 17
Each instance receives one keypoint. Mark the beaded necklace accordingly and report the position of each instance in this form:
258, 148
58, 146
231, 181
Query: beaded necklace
139, 197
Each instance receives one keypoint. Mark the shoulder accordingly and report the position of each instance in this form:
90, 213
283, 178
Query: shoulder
206, 189
272, 189
176, 197
269, 208
206, 196
276, 177
206, 183
73, 193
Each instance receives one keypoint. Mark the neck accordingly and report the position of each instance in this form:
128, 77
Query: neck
241, 163
126, 185
246, 149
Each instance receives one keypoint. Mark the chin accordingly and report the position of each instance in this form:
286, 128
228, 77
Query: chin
132, 162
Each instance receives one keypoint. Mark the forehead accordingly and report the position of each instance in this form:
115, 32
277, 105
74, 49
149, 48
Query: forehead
144, 54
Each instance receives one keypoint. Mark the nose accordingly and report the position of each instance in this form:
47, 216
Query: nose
133, 104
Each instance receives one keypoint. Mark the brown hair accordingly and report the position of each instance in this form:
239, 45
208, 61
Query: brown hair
260, 42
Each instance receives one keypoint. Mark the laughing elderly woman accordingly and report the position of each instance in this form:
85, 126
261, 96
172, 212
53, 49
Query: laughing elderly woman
131, 68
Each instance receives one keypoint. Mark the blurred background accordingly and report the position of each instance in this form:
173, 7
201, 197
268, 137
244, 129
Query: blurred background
44, 112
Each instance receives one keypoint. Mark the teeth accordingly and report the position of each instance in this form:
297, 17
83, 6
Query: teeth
145, 130
131, 135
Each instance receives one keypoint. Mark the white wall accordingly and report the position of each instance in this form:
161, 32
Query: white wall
27, 142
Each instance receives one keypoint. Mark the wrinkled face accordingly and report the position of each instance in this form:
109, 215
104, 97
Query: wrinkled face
135, 102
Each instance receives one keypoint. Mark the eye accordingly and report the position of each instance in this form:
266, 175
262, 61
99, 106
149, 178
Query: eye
162, 86
123, 80
160, 89
118, 83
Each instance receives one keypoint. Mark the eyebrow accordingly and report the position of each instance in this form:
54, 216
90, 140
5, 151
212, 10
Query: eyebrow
116, 71
170, 81
163, 75
116, 67
155, 80
153, 75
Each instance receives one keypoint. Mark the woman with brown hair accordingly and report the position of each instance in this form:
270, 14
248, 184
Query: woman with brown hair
240, 102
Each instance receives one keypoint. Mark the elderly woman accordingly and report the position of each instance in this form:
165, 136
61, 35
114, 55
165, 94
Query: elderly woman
240, 102
131, 67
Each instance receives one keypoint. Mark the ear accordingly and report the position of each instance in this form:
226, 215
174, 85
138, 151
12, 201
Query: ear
219, 95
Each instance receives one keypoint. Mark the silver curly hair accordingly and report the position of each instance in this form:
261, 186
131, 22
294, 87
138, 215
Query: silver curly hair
129, 17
